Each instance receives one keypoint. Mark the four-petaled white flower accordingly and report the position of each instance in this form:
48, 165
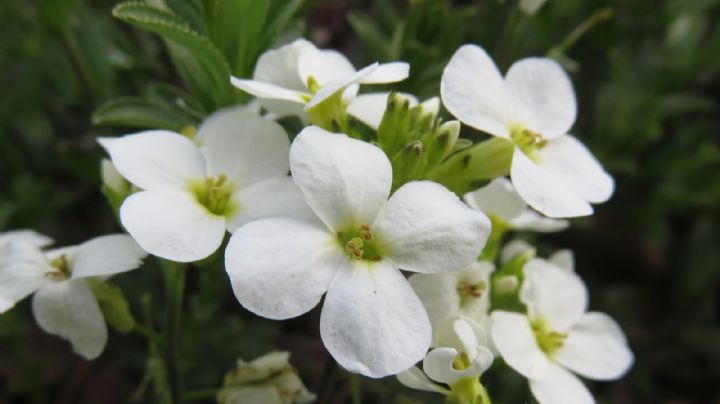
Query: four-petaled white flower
298, 76
501, 202
459, 293
534, 106
558, 334
458, 355
372, 321
192, 194
63, 303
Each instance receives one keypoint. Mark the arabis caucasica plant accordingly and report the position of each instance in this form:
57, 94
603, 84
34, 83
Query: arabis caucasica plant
372, 321
193, 191
533, 107
62, 281
358, 199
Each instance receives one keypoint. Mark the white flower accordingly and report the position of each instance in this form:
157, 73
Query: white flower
372, 322
192, 194
269, 379
25, 236
459, 355
296, 77
63, 303
558, 337
563, 258
501, 202
460, 293
534, 107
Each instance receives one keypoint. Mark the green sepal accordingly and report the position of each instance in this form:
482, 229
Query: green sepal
502, 297
442, 142
467, 169
113, 304
409, 163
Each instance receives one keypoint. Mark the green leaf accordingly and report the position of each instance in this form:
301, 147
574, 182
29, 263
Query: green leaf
201, 65
139, 112
113, 304
370, 35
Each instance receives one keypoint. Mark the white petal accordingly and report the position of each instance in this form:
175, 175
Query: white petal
532, 221
172, 225
388, 73
279, 268
498, 198
280, 66
545, 191
428, 229
596, 348
107, 255
569, 160
544, 90
324, 65
416, 379
456, 333
339, 84
560, 387
22, 271
345, 181
476, 307
564, 259
370, 108
372, 322
438, 364
244, 146
26, 236
515, 341
438, 293
553, 294
267, 90
68, 309
474, 91
276, 197
157, 159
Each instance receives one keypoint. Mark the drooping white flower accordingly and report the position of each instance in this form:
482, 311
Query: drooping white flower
501, 202
563, 258
533, 106
63, 303
192, 193
459, 293
269, 379
298, 76
458, 355
558, 337
372, 321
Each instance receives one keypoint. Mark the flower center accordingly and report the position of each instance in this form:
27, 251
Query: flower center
215, 195
360, 243
528, 141
548, 340
461, 361
312, 85
62, 267
470, 291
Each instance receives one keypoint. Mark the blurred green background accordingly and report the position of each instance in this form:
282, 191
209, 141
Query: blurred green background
647, 76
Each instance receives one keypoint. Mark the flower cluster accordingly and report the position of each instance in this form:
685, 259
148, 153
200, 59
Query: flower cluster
358, 200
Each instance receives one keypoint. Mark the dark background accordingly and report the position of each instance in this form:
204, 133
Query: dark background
648, 85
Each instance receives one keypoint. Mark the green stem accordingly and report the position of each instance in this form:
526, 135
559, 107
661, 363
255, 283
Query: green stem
355, 389
175, 288
594, 19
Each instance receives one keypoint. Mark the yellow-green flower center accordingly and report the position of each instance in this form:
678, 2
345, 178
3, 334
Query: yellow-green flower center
547, 339
470, 291
215, 194
528, 141
359, 243
461, 361
62, 267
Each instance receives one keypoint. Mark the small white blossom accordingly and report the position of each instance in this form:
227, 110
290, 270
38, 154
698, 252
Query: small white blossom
563, 258
558, 337
459, 355
372, 322
501, 202
192, 193
533, 107
463, 293
63, 303
298, 76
